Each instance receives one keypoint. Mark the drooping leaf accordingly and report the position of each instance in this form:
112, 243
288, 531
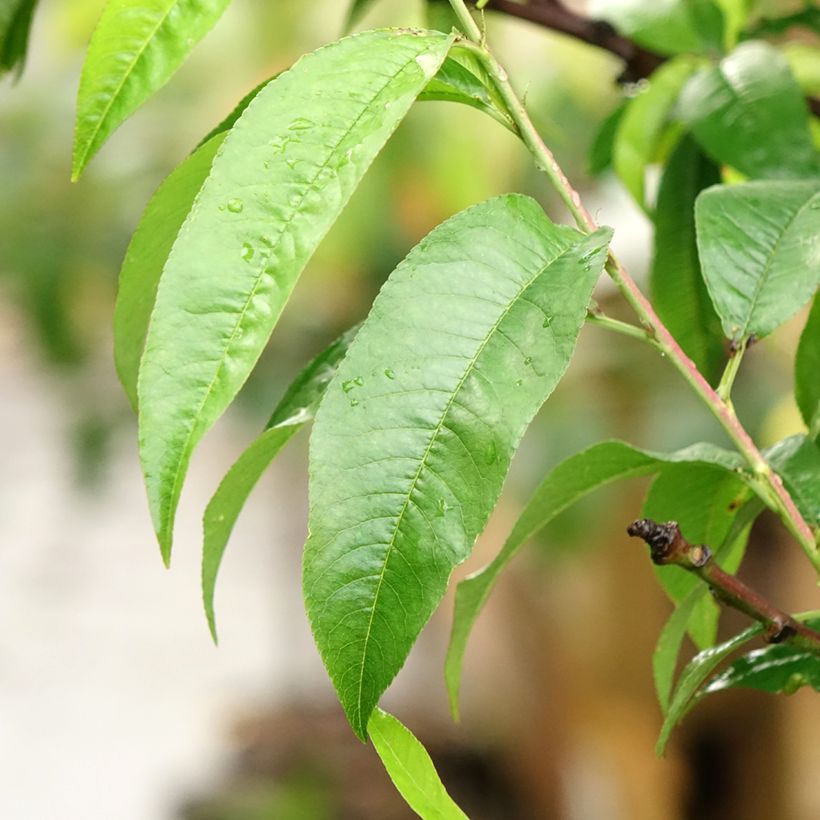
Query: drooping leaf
146, 256
704, 500
296, 408
806, 368
667, 26
679, 293
135, 49
413, 439
456, 83
411, 769
15, 26
284, 173
643, 122
748, 112
670, 641
695, 673
600, 153
759, 247
565, 484
797, 461
777, 669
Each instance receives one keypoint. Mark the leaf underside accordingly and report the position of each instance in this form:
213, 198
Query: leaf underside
413, 439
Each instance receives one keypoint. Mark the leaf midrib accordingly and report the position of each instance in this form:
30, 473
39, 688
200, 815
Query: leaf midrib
423, 463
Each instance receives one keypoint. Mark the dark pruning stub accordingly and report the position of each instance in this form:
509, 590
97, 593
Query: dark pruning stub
667, 546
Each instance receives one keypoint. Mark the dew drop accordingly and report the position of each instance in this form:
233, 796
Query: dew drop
528, 360
547, 321
235, 206
348, 385
389, 373
354, 402
490, 453
442, 507
300, 124
358, 381
519, 382
266, 241
247, 252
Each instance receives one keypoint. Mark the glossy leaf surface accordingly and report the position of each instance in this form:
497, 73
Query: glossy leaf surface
806, 370
296, 408
146, 256
760, 250
570, 481
749, 113
411, 769
413, 440
135, 49
643, 122
797, 461
284, 173
679, 293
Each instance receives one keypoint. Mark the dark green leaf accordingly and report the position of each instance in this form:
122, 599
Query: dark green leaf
296, 408
413, 439
411, 769
749, 113
439, 15
641, 127
668, 26
146, 256
600, 154
760, 250
695, 673
287, 168
15, 26
704, 500
565, 484
136, 48
797, 461
806, 370
679, 293
777, 669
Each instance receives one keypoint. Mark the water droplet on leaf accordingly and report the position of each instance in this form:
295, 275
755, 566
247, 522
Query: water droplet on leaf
235, 206
389, 373
247, 252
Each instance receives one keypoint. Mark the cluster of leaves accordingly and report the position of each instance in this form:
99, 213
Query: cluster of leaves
419, 411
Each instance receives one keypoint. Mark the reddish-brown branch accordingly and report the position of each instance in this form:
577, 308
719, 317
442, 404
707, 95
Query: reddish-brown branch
667, 546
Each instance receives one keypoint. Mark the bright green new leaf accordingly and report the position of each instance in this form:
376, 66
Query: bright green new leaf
294, 410
135, 49
667, 26
413, 440
777, 669
704, 500
284, 173
695, 673
411, 769
749, 112
797, 461
565, 484
735, 14
643, 122
15, 26
146, 256
759, 247
679, 293
806, 370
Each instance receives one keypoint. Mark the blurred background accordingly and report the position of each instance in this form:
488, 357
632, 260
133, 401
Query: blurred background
114, 703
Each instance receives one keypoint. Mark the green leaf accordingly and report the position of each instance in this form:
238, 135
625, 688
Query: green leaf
283, 175
735, 14
146, 256
135, 49
760, 250
679, 293
296, 408
413, 440
806, 368
665, 657
411, 769
804, 61
456, 83
777, 669
667, 26
600, 153
15, 27
749, 112
797, 461
704, 500
698, 669
646, 116
565, 484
